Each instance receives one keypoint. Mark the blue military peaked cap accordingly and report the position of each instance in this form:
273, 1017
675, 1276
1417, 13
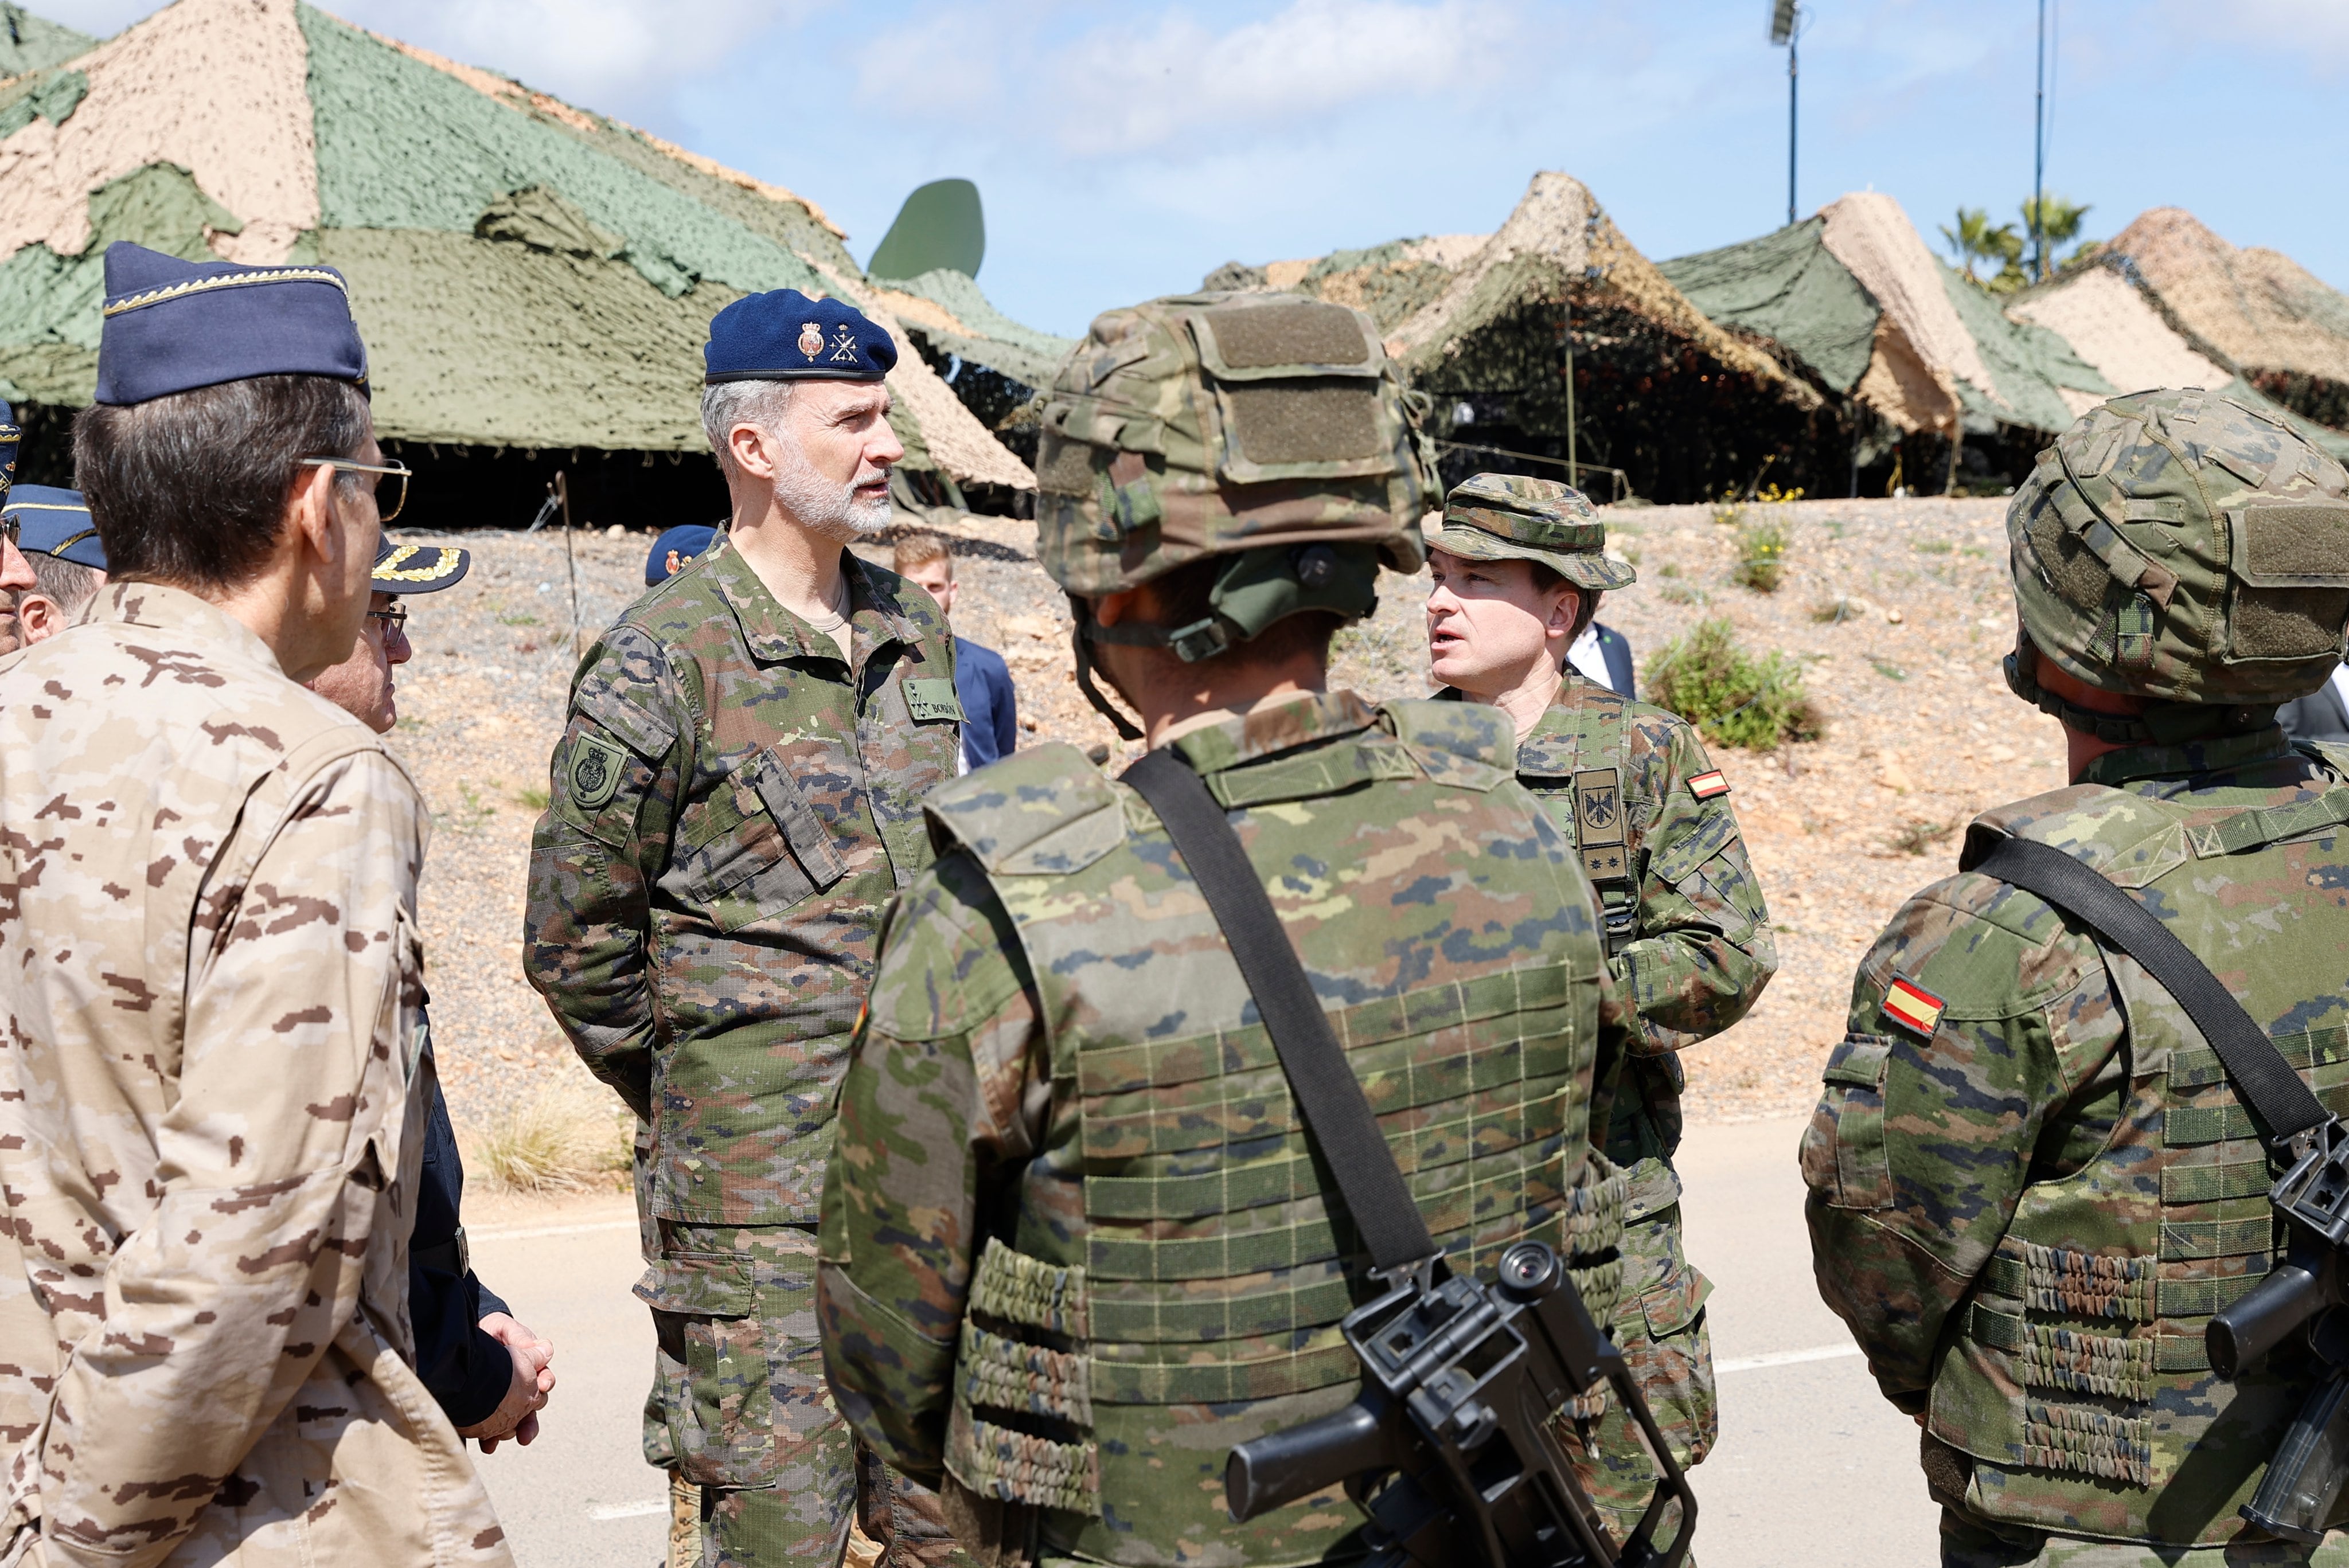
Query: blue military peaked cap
783, 335
56, 523
170, 325
12, 435
417, 568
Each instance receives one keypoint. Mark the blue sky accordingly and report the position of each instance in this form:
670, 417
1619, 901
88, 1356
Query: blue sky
1122, 150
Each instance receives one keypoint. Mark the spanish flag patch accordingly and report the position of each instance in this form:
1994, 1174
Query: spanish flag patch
1913, 1007
1705, 786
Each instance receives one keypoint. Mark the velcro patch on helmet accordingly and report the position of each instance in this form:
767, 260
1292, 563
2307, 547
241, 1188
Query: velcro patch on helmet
2293, 544
1303, 337
1280, 423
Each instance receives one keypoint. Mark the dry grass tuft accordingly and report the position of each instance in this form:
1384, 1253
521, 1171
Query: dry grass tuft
572, 1140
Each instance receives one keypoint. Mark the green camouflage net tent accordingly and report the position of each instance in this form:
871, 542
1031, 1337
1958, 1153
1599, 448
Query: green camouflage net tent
1855, 298
994, 363
535, 281
2257, 311
1498, 328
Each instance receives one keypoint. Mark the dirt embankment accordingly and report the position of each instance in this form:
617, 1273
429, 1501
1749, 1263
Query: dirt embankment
1921, 733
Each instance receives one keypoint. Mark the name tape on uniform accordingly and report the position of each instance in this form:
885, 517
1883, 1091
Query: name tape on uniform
1913, 1007
1705, 786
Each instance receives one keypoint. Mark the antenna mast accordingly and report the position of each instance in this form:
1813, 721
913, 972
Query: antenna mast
1785, 17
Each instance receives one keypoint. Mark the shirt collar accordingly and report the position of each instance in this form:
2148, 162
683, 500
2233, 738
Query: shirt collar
157, 607
1277, 725
773, 634
2225, 753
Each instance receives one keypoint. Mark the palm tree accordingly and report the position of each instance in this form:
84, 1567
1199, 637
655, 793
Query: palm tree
1976, 240
2057, 222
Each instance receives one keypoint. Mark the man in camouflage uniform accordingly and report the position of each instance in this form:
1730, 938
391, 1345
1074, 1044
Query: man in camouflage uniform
1075, 1244
2031, 1180
211, 1112
734, 799
1520, 567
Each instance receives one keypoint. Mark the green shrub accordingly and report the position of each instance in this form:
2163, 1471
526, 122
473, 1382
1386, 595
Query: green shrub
1762, 554
1730, 695
571, 1141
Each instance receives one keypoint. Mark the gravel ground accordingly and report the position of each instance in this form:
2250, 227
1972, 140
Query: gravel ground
1921, 733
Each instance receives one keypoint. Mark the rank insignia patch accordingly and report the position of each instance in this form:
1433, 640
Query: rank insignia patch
1706, 785
811, 340
1913, 1007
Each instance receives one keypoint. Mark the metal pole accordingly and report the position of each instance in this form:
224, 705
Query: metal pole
2039, 158
1793, 78
1573, 473
561, 489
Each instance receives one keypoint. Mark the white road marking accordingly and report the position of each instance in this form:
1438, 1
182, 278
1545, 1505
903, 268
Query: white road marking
528, 1232
1784, 1359
606, 1510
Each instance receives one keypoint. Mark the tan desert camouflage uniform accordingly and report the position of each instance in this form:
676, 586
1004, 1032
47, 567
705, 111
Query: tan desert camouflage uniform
731, 809
210, 971
2032, 1180
1688, 942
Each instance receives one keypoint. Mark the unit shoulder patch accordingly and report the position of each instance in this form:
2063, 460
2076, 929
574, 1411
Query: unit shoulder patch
595, 770
1708, 785
1913, 1007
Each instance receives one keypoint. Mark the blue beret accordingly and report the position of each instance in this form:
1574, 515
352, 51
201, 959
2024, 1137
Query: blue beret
688, 539
12, 435
783, 335
56, 523
417, 568
171, 326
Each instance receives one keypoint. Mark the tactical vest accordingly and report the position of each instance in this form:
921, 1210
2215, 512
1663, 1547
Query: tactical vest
1172, 1278
2078, 1378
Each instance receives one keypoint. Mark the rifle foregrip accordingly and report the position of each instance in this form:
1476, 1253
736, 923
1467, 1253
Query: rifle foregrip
2244, 1331
1276, 1470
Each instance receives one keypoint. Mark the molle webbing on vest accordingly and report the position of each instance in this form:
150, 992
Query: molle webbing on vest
2065, 1355
1011, 1466
1036, 1385
1015, 1288
2248, 830
2074, 1438
995, 1372
2075, 1283
1594, 1259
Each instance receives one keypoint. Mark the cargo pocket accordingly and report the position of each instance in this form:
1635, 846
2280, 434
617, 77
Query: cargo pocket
1675, 1367
716, 1389
1844, 1157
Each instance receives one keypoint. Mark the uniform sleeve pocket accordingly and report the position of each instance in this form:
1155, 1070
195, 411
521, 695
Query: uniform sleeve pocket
715, 1367
1843, 1155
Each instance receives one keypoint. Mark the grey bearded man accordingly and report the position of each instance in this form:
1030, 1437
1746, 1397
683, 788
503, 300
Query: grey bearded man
1075, 1244
735, 798
212, 1119
2033, 1179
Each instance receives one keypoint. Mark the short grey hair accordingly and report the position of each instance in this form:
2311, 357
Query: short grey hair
69, 582
725, 404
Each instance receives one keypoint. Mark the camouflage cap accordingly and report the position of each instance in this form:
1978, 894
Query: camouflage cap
2180, 547
1508, 517
1212, 423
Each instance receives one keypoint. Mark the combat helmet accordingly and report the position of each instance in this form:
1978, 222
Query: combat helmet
2178, 547
1268, 427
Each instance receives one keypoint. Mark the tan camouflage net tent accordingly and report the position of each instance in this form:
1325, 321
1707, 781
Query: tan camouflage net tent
994, 363
533, 280
1498, 328
1853, 295
2257, 311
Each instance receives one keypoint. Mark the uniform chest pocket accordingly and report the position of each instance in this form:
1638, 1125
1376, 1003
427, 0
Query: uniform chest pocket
755, 847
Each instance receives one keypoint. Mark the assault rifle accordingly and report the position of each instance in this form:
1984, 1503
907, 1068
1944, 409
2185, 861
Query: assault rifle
1450, 1446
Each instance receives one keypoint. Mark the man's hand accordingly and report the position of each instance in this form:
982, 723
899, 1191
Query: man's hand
516, 1416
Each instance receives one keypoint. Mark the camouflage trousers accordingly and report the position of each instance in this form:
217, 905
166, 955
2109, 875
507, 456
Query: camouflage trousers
1659, 1324
1970, 1543
749, 1422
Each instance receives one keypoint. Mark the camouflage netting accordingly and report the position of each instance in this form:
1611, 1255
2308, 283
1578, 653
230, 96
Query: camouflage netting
994, 363
530, 277
1485, 325
2285, 329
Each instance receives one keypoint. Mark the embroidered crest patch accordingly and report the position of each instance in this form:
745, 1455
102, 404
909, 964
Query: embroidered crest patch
811, 340
1705, 786
1913, 1007
595, 767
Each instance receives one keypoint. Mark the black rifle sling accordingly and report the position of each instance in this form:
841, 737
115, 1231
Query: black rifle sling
2264, 1079
1329, 1096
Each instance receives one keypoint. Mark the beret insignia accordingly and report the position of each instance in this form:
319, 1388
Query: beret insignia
811, 340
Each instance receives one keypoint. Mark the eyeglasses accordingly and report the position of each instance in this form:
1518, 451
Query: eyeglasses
399, 472
394, 619
11, 529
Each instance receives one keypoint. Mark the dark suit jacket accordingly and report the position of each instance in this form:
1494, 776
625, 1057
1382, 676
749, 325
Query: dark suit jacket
990, 710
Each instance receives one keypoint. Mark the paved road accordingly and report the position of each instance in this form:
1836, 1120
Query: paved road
1814, 1470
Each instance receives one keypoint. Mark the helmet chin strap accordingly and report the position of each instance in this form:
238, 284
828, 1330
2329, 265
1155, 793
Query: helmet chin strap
2161, 724
1081, 617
